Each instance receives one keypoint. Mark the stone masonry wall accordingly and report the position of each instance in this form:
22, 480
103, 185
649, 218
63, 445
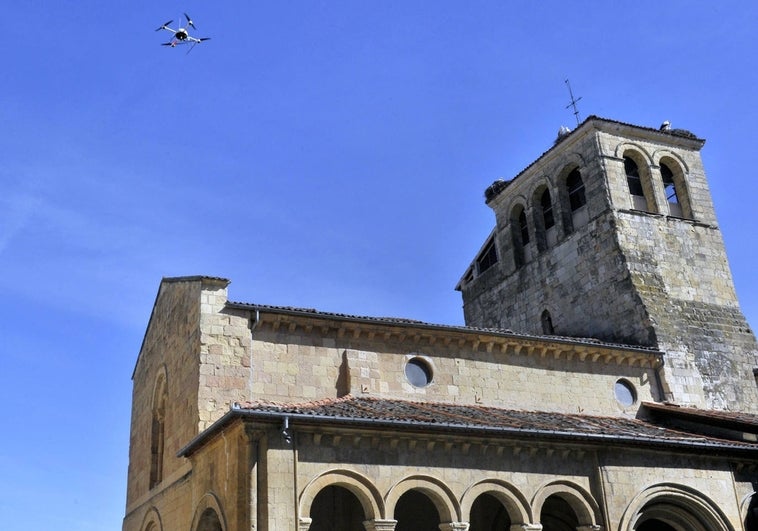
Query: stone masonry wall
582, 281
170, 349
681, 273
224, 356
298, 362
636, 277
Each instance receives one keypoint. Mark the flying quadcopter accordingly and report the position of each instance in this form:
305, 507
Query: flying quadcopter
181, 35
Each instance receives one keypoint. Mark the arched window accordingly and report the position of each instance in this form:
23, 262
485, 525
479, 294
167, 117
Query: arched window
634, 181
520, 235
545, 224
547, 210
674, 189
573, 201
575, 187
157, 431
523, 228
668, 183
547, 323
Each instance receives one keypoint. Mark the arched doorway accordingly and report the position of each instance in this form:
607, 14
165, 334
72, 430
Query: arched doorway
751, 519
558, 515
488, 514
666, 516
414, 511
655, 525
209, 521
336, 509
669, 506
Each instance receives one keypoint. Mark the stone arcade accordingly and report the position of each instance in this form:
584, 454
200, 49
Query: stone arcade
603, 381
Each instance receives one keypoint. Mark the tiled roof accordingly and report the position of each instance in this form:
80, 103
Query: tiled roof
731, 419
454, 417
291, 310
319, 313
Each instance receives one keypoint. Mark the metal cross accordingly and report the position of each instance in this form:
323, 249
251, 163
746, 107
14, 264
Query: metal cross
573, 103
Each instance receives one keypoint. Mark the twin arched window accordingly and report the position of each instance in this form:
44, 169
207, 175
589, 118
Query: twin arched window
572, 198
674, 191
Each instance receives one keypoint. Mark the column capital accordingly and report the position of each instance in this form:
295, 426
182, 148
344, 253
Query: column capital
526, 527
454, 526
380, 525
304, 524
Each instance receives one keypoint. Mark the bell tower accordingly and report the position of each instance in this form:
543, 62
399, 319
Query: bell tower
611, 234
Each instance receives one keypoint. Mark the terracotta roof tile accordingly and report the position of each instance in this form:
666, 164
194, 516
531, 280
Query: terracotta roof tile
292, 310
476, 418
733, 419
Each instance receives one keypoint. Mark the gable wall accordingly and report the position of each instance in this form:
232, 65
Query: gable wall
170, 347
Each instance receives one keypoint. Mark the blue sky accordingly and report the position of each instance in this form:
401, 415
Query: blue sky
330, 155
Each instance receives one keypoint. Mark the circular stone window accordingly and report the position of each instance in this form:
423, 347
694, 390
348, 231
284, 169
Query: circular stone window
418, 372
625, 393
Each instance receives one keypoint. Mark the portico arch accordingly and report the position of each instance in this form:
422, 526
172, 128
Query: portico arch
514, 502
679, 507
367, 494
581, 502
439, 494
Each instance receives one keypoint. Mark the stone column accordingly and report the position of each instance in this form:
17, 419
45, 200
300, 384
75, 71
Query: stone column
592, 527
380, 525
304, 524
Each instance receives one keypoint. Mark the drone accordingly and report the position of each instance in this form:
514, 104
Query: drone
181, 35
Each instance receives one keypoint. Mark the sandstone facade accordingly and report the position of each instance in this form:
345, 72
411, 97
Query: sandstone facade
253, 417
621, 267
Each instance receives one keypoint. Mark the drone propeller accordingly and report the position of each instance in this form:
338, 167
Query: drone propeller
165, 25
198, 41
189, 21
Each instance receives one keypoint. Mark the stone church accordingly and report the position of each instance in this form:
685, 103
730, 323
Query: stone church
605, 378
